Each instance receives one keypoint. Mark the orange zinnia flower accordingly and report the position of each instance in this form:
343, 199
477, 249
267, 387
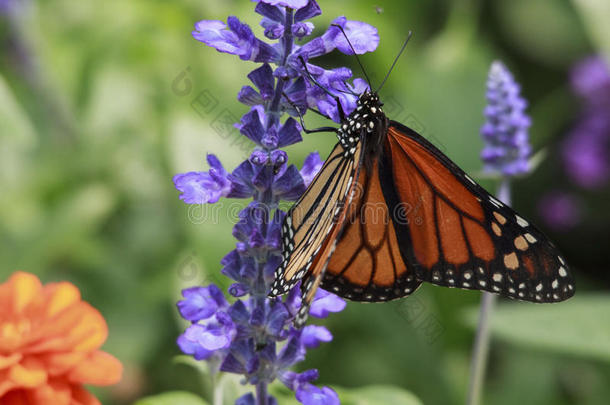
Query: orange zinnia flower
49, 341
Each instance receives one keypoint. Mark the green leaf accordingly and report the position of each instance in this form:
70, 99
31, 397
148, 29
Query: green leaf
576, 327
172, 398
546, 31
377, 394
595, 15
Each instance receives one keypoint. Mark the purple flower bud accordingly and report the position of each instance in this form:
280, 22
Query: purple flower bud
302, 29
278, 158
259, 157
238, 290
274, 31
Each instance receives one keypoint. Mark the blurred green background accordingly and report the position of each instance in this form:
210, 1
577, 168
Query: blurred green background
101, 103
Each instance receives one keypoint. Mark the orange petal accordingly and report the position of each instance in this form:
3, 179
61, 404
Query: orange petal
6, 384
100, 368
60, 297
61, 363
55, 392
78, 328
17, 397
27, 374
81, 396
7, 361
22, 289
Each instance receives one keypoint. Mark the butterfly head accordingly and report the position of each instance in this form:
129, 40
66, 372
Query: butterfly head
368, 121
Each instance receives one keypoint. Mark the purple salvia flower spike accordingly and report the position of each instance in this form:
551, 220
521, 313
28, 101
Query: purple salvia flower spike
505, 132
242, 338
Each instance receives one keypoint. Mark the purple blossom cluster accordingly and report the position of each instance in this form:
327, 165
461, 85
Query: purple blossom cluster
254, 335
586, 150
505, 131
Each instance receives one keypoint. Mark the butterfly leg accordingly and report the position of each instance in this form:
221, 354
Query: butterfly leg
310, 131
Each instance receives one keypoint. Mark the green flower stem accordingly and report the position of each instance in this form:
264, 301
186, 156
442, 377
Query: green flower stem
478, 363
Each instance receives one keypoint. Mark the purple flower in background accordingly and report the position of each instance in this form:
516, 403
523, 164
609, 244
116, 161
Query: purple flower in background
505, 132
591, 80
254, 336
561, 211
7, 6
586, 150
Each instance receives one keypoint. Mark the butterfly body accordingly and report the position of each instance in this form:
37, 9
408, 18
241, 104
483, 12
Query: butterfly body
367, 123
389, 211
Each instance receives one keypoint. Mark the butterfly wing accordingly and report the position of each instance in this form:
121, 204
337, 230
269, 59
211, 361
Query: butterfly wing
459, 235
312, 224
366, 264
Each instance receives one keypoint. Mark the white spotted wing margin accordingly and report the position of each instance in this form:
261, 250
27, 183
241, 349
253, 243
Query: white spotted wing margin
312, 225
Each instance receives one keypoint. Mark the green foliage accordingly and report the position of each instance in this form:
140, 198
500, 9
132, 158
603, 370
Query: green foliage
573, 327
377, 394
172, 398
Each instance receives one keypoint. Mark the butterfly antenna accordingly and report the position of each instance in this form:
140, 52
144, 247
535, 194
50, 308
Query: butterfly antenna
355, 54
395, 61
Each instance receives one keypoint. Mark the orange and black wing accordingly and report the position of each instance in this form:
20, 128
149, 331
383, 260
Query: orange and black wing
460, 235
367, 264
311, 226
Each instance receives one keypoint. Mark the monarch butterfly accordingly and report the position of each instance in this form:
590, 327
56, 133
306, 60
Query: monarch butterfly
388, 211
